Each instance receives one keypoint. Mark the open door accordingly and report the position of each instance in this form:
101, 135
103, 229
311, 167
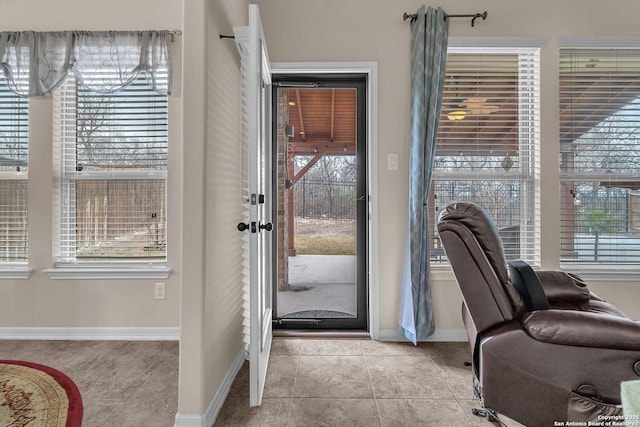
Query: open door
256, 199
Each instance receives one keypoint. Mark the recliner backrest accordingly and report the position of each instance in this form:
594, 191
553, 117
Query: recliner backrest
470, 240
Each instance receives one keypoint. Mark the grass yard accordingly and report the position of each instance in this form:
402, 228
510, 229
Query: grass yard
325, 237
325, 245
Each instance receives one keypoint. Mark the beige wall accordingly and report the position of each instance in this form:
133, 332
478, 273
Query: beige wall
223, 274
365, 30
116, 15
203, 293
211, 315
39, 301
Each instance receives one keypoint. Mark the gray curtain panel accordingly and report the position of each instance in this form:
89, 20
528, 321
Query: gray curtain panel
429, 34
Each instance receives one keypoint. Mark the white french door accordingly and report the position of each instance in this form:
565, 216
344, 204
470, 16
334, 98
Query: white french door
257, 183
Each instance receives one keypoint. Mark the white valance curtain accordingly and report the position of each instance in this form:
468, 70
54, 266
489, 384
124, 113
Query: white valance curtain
36, 63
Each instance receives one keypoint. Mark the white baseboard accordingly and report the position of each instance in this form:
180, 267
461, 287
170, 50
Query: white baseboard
90, 333
209, 417
440, 335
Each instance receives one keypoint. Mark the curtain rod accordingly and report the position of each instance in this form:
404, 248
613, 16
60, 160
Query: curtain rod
473, 17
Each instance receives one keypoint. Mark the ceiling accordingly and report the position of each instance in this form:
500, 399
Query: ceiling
324, 120
597, 98
490, 117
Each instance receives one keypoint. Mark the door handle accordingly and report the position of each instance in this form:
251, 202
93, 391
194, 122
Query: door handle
268, 226
243, 227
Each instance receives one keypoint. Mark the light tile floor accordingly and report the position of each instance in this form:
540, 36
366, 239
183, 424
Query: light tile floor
344, 382
310, 382
122, 383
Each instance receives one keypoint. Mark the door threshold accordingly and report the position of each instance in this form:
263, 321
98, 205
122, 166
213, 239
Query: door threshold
292, 333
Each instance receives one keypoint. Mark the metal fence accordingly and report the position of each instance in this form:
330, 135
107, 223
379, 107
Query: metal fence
325, 199
501, 200
612, 203
121, 218
605, 226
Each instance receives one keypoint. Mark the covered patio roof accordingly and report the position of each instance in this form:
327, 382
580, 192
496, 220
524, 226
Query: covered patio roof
323, 121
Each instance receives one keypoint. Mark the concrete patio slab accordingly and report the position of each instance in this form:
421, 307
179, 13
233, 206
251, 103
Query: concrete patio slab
320, 283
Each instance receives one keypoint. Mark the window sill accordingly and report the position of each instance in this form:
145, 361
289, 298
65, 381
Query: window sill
15, 272
111, 271
610, 273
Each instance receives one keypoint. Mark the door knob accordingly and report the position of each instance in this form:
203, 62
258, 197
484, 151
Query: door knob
268, 226
243, 227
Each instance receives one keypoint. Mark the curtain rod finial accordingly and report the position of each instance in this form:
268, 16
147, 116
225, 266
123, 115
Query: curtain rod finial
479, 15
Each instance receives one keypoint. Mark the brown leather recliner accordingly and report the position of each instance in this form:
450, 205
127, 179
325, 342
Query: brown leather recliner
547, 351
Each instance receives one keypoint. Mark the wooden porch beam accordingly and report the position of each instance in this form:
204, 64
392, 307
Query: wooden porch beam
311, 149
299, 108
306, 167
333, 111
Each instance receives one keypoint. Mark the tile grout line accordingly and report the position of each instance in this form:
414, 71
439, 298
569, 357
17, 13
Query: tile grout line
440, 371
373, 391
377, 400
293, 388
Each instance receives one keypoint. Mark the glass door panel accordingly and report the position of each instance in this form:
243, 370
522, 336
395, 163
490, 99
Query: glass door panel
321, 205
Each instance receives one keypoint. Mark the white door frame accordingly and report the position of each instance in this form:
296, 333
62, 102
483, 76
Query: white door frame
371, 70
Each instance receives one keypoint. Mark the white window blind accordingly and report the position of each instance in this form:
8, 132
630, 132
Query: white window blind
14, 113
112, 168
600, 155
486, 150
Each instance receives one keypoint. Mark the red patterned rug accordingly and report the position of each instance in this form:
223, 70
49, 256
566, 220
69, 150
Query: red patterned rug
33, 395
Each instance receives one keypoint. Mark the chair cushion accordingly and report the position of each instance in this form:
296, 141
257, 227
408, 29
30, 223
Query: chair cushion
583, 329
526, 282
564, 290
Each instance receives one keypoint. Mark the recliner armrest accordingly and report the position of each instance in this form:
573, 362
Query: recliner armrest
563, 289
583, 329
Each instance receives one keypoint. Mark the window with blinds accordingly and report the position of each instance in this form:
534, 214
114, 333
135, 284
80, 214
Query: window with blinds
14, 137
487, 142
600, 155
112, 169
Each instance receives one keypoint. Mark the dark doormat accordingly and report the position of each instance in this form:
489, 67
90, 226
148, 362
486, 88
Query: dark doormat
318, 314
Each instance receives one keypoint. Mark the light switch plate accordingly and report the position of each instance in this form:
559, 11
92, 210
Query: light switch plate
160, 291
392, 161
